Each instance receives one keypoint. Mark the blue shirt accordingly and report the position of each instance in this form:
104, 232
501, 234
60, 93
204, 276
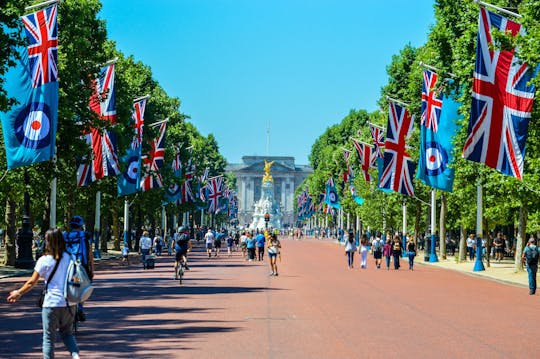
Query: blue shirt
250, 242
260, 240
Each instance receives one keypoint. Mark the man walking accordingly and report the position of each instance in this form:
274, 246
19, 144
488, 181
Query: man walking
530, 257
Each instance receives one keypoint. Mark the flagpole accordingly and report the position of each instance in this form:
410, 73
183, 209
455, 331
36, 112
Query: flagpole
433, 68
478, 264
54, 184
45, 3
126, 222
141, 98
158, 122
397, 101
404, 229
110, 62
433, 254
507, 12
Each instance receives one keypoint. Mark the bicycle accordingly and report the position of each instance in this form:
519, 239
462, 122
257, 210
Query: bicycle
180, 271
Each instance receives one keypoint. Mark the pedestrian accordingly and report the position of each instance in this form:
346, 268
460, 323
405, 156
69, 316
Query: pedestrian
377, 246
219, 237
396, 251
145, 247
530, 257
78, 244
125, 253
411, 252
364, 243
158, 243
230, 242
471, 244
498, 244
243, 246
387, 252
350, 248
250, 245
209, 240
274, 249
261, 240
56, 315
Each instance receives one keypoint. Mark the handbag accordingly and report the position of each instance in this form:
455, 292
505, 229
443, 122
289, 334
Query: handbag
41, 298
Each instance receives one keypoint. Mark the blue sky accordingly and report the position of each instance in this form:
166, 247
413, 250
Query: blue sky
237, 65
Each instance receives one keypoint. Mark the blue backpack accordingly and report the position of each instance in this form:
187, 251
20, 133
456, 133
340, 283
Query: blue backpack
77, 245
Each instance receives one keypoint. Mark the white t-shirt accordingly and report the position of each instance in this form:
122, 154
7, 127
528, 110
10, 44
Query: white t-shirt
471, 242
209, 237
55, 291
145, 243
243, 238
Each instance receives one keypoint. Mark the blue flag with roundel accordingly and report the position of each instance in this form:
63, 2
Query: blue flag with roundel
437, 128
29, 127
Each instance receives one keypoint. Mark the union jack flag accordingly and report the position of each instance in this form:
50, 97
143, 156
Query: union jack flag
377, 136
431, 101
501, 102
214, 192
398, 169
138, 122
154, 161
367, 158
41, 29
105, 161
187, 187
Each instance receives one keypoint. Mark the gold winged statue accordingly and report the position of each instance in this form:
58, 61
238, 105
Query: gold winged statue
267, 176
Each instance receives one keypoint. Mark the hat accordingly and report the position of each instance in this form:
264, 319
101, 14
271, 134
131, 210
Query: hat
532, 240
76, 221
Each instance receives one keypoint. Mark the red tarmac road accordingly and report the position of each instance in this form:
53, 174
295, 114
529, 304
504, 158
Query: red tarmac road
316, 308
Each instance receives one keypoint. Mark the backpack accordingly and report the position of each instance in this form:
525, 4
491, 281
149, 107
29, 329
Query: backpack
78, 287
532, 255
377, 245
77, 245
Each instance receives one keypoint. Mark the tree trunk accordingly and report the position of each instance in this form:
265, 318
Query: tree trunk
521, 238
442, 226
116, 226
462, 244
104, 238
10, 253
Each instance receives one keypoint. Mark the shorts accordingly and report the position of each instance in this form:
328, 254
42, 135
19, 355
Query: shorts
272, 255
179, 254
377, 254
243, 245
209, 246
499, 250
217, 244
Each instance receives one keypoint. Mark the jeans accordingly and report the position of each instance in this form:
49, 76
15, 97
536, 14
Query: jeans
387, 261
350, 258
396, 260
61, 319
531, 270
251, 253
144, 253
471, 252
411, 259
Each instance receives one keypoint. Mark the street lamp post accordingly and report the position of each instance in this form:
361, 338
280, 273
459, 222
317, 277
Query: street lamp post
266, 219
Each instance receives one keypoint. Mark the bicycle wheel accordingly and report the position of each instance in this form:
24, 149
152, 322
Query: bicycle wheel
180, 274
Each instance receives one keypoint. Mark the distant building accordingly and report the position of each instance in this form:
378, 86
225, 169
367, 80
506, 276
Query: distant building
287, 177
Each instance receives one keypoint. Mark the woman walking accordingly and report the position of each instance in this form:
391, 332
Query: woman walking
250, 245
350, 248
411, 252
364, 250
387, 252
55, 313
396, 251
274, 249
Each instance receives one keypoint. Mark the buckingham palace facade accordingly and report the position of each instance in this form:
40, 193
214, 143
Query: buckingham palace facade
287, 177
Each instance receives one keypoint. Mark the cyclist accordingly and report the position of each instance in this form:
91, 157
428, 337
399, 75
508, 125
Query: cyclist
182, 245
78, 243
